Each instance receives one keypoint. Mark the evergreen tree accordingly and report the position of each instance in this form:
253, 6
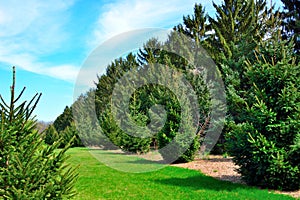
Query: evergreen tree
150, 53
103, 94
86, 121
106, 82
68, 133
64, 120
239, 28
188, 60
51, 135
144, 98
195, 26
28, 168
64, 128
266, 143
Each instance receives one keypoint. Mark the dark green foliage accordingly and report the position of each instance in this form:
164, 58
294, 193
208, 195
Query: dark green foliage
63, 127
265, 145
64, 120
120, 138
107, 122
262, 162
68, 133
143, 99
295, 151
86, 122
291, 22
240, 26
29, 169
51, 135
174, 105
194, 26
236, 29
263, 95
230, 38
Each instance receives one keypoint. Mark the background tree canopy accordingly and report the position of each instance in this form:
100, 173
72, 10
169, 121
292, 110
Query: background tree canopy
256, 50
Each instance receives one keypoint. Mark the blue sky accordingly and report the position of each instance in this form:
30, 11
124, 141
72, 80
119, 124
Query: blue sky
48, 41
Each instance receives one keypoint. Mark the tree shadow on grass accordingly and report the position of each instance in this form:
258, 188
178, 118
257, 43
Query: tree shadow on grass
147, 162
199, 182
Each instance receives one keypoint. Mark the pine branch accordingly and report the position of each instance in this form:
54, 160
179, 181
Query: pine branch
21, 93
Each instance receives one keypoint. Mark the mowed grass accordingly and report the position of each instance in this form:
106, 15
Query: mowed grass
97, 181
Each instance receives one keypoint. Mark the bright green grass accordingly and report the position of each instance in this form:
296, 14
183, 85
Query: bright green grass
97, 181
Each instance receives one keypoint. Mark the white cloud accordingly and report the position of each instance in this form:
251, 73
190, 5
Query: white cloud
16, 17
29, 63
64, 72
33, 29
36, 29
127, 15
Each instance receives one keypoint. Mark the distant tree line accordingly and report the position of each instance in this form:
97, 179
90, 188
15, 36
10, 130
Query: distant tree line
63, 128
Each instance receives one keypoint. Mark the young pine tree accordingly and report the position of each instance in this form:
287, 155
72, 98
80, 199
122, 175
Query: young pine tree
29, 169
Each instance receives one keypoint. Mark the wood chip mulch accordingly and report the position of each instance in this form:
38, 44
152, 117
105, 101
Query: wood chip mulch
223, 169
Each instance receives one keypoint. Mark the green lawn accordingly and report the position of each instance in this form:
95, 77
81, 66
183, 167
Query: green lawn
97, 181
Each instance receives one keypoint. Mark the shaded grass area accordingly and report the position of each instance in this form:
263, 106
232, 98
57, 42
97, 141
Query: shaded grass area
127, 162
97, 181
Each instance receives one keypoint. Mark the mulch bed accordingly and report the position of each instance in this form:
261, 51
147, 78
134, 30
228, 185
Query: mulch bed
223, 169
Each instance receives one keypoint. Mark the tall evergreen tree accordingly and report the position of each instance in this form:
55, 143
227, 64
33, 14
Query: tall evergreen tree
195, 26
103, 100
87, 123
236, 29
182, 54
63, 120
265, 143
230, 39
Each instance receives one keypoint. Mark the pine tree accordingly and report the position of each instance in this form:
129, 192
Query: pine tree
239, 28
236, 29
63, 120
265, 143
87, 122
107, 121
28, 168
51, 135
195, 26
182, 54
68, 133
